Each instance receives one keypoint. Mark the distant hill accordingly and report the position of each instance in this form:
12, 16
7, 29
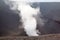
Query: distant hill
49, 9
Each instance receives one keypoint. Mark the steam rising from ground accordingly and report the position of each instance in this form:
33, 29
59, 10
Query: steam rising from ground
26, 12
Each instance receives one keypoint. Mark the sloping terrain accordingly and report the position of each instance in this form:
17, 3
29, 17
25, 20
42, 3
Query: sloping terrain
42, 37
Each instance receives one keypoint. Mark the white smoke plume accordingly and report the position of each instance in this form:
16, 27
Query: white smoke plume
26, 12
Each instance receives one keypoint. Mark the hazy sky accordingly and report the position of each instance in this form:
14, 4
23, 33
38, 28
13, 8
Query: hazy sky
39, 0
44, 0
